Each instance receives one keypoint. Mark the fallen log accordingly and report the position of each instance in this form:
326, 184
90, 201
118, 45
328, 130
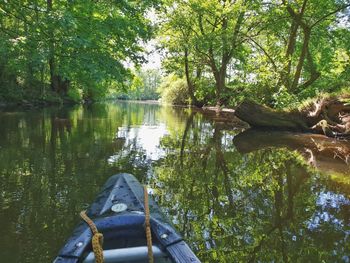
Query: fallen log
327, 115
257, 115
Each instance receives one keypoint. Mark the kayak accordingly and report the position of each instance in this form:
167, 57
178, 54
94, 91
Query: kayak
118, 212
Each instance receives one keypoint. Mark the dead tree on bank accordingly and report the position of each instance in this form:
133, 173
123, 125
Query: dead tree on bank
327, 115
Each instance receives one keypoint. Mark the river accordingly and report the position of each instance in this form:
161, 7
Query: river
256, 196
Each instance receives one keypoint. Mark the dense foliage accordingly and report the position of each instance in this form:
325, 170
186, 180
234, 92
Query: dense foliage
143, 86
69, 49
278, 52
275, 51
174, 90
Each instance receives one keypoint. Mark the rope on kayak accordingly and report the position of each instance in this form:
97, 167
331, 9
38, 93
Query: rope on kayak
148, 226
97, 238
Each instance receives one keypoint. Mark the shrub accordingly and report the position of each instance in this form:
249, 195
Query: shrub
75, 94
174, 90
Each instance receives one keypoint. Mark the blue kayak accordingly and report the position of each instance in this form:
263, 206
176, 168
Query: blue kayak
118, 213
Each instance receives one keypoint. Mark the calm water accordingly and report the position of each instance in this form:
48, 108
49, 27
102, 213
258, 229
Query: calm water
252, 197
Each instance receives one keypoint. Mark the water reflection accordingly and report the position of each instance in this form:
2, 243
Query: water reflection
266, 205
235, 197
148, 137
326, 154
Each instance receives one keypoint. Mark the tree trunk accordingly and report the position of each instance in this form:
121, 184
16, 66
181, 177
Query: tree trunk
257, 115
329, 116
190, 84
220, 84
307, 34
293, 35
314, 74
52, 65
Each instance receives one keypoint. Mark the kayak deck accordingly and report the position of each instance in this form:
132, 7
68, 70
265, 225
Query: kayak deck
133, 254
118, 213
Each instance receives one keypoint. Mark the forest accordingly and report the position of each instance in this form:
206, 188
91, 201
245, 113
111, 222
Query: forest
213, 53
80, 84
279, 52
69, 51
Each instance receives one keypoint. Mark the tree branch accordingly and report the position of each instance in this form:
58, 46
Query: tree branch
265, 52
329, 14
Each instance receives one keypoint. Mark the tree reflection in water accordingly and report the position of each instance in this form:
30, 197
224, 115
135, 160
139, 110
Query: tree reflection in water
266, 205
52, 164
235, 198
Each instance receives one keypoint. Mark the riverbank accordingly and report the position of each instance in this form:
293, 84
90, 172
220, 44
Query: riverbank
138, 101
36, 104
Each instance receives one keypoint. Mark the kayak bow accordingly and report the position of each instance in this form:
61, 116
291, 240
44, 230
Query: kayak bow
118, 213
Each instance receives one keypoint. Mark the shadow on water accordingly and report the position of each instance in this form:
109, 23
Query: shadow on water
236, 197
324, 153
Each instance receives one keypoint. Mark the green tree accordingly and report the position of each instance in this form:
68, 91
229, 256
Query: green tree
280, 52
177, 38
296, 47
143, 86
174, 90
71, 45
214, 31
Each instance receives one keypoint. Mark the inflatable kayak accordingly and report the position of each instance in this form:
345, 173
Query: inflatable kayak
119, 214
